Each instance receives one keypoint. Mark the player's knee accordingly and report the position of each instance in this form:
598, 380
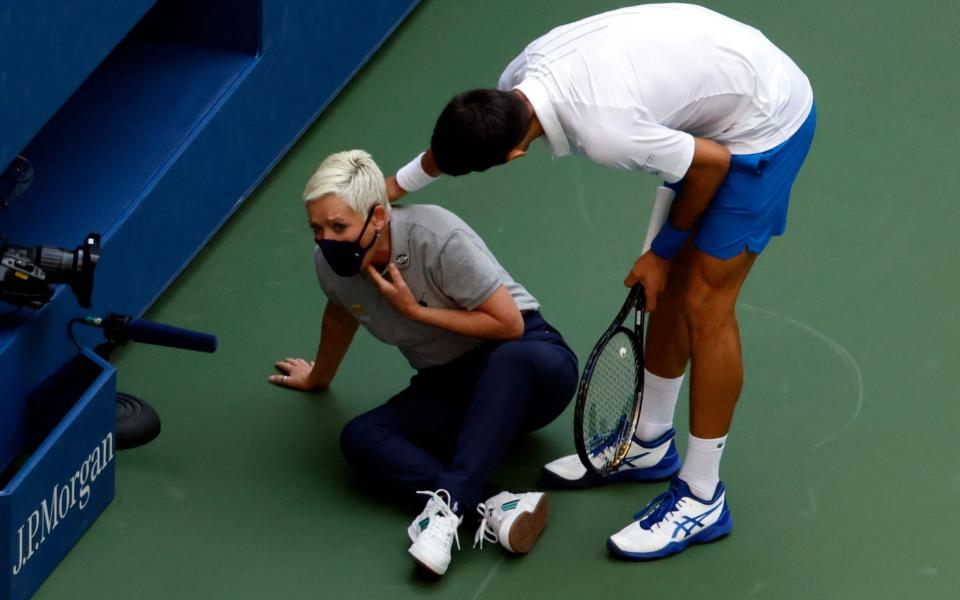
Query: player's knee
705, 309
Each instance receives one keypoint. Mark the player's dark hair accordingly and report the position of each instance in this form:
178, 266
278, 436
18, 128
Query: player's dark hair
477, 129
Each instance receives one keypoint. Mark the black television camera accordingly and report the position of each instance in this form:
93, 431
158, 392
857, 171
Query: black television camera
26, 273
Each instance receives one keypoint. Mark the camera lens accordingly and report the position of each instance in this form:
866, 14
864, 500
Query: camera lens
73, 268
58, 263
24, 284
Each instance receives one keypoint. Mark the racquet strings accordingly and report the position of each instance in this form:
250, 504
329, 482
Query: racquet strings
610, 400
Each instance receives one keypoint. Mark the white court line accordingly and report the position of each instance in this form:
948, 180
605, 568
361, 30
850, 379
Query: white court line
487, 579
836, 347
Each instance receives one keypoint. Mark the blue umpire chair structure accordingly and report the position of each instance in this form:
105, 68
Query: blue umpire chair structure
148, 122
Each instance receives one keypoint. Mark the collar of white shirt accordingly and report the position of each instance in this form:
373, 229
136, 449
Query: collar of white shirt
536, 93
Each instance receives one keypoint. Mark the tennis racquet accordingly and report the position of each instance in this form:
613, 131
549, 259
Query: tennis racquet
611, 387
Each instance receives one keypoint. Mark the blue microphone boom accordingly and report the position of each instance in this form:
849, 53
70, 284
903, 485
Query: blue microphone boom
122, 328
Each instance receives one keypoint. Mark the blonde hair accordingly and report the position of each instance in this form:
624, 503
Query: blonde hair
354, 177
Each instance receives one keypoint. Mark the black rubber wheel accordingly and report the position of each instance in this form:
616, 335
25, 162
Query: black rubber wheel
137, 422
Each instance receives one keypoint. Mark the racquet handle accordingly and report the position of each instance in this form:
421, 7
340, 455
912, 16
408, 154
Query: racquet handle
661, 209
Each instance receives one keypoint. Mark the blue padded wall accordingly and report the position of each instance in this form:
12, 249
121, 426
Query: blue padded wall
47, 49
148, 122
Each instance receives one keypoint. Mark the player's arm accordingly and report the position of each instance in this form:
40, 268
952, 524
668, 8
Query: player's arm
336, 332
709, 167
416, 174
706, 172
496, 318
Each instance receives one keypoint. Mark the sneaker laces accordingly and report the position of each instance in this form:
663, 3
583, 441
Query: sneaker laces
659, 507
442, 507
486, 531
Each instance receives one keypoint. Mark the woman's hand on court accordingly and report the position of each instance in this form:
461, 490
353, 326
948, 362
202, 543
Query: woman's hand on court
395, 290
296, 375
652, 272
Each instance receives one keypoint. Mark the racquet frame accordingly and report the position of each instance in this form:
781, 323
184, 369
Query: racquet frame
636, 300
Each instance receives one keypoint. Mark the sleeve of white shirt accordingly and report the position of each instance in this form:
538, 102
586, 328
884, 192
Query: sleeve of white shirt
623, 138
661, 151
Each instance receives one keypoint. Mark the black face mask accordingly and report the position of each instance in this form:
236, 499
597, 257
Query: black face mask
345, 258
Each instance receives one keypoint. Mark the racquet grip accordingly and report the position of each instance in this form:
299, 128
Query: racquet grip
658, 215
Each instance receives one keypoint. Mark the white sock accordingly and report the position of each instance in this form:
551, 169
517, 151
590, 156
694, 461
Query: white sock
659, 401
701, 467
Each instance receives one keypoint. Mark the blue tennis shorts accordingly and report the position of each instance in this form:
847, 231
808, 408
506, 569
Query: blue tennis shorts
751, 205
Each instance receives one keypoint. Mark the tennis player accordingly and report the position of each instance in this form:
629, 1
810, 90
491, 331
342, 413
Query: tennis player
723, 116
489, 367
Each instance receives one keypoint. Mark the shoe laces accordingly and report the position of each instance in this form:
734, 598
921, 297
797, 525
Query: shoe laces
487, 530
441, 506
659, 508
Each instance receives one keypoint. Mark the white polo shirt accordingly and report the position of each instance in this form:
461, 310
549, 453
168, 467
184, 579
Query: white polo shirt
630, 88
445, 264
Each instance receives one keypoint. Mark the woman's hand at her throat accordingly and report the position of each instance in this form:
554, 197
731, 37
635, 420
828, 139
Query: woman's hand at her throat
395, 290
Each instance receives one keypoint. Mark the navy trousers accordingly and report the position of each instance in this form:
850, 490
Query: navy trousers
454, 424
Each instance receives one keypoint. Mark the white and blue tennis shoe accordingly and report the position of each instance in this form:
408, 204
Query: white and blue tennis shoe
645, 461
671, 522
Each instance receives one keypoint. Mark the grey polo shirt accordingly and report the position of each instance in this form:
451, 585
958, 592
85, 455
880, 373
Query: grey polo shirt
445, 264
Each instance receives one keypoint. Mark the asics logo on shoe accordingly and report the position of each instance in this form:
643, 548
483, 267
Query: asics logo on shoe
628, 461
510, 505
689, 524
423, 524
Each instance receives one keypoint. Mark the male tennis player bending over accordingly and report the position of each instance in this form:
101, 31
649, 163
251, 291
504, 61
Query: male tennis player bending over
714, 108
488, 365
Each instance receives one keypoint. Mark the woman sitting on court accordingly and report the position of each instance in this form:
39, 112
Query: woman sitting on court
488, 366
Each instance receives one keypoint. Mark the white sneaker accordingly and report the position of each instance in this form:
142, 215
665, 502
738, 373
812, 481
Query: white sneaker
645, 461
433, 533
671, 522
514, 520
433, 505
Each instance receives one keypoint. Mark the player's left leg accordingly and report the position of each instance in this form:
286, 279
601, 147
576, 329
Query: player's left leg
715, 352
694, 508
